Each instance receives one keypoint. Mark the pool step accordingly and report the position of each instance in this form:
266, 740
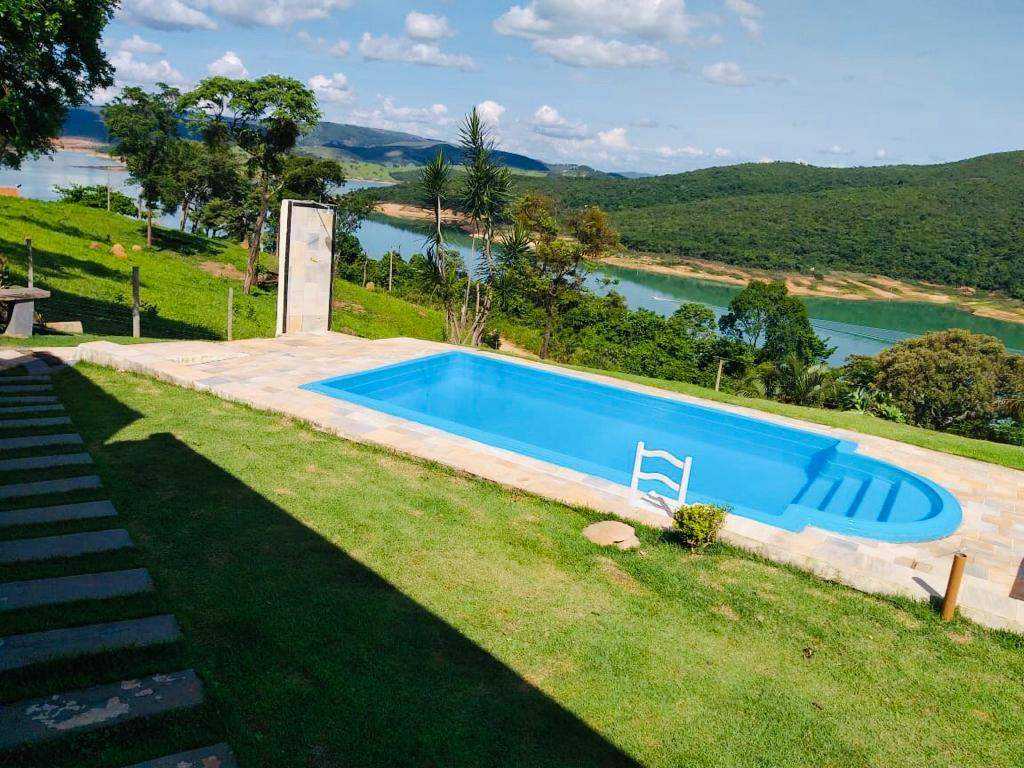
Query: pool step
817, 492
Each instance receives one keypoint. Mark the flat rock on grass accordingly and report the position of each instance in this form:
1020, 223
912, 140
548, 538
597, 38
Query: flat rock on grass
104, 705
217, 756
64, 545
37, 647
612, 533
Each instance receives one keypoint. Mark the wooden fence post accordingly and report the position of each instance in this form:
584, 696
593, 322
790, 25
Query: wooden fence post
391, 269
718, 378
231, 312
136, 319
31, 264
956, 575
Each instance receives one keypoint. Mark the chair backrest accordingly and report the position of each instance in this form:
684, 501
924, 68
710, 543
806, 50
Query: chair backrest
666, 503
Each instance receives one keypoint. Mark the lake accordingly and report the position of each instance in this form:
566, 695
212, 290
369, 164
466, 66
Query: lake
853, 327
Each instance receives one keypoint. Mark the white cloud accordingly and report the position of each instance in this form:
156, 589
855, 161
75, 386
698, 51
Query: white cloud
765, 159
394, 117
426, 26
333, 88
744, 8
587, 51
387, 48
132, 71
228, 65
614, 138
749, 16
490, 112
722, 152
881, 153
522, 22
136, 44
688, 151
340, 49
104, 95
725, 73
164, 14
200, 14
649, 19
547, 121
836, 149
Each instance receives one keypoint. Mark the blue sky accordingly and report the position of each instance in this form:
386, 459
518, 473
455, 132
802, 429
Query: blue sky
643, 85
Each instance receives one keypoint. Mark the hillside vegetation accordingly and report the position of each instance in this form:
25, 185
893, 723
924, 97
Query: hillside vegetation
957, 223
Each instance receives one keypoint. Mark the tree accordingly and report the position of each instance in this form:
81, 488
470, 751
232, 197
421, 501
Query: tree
264, 118
557, 264
487, 188
593, 230
144, 127
50, 60
951, 379
776, 324
196, 173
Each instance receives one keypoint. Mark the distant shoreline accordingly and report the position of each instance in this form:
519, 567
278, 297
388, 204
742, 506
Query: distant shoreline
846, 286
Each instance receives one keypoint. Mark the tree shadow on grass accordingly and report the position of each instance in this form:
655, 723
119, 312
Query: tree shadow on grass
113, 317
185, 243
56, 263
310, 657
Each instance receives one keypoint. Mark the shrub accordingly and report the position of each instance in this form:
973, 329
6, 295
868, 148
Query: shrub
948, 379
95, 196
698, 525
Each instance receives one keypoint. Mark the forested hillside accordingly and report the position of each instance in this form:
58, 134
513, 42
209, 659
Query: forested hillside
957, 223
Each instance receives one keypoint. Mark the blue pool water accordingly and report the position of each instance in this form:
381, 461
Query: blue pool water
778, 475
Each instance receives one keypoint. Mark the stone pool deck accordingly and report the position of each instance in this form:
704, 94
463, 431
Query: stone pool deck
266, 374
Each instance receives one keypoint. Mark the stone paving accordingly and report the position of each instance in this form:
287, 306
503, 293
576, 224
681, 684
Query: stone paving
101, 706
267, 373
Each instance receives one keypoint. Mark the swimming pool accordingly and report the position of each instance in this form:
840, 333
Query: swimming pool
787, 477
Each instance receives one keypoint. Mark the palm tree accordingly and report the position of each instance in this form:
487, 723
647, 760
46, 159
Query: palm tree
487, 188
802, 383
436, 185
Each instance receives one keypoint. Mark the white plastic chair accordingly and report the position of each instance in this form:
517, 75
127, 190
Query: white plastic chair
664, 503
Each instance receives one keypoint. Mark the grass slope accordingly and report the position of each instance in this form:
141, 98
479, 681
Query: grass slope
93, 285
347, 606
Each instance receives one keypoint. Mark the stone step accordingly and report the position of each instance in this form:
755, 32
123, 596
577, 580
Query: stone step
41, 408
101, 706
44, 462
17, 389
41, 487
216, 756
21, 399
39, 441
49, 421
24, 379
18, 651
68, 589
65, 545
58, 513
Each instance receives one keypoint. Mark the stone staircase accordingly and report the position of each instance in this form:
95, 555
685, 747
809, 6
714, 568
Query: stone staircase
45, 483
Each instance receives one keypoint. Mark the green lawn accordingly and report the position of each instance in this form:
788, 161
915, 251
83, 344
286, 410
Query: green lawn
347, 606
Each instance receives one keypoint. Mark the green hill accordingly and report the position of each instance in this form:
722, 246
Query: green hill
956, 223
